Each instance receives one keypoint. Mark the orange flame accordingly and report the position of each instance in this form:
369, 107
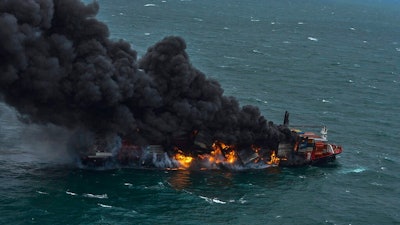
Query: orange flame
255, 148
223, 153
231, 157
274, 159
183, 160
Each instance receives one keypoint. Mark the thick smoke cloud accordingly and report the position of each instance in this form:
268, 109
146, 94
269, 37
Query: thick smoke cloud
58, 66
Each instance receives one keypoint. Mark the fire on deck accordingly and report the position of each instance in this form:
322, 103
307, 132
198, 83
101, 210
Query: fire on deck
307, 148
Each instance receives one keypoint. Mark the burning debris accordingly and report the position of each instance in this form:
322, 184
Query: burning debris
60, 67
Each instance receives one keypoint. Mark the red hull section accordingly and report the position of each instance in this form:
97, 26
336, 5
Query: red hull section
309, 148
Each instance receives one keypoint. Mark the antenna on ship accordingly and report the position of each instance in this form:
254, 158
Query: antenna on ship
324, 132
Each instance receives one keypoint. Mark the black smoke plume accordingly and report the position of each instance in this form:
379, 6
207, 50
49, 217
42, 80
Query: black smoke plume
59, 66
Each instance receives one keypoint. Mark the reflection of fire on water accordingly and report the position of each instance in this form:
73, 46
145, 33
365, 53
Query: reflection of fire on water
185, 180
180, 179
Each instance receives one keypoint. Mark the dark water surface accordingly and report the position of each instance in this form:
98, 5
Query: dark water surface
327, 62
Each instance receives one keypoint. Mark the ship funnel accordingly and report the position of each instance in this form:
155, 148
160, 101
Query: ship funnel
286, 119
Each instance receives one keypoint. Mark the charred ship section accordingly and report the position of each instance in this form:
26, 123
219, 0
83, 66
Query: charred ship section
199, 151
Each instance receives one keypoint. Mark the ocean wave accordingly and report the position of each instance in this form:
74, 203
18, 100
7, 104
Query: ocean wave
212, 200
103, 196
104, 206
128, 184
71, 193
355, 170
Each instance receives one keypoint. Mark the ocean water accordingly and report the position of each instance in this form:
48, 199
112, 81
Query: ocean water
328, 62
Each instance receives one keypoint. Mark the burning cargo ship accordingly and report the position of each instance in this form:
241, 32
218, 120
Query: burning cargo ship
196, 151
78, 78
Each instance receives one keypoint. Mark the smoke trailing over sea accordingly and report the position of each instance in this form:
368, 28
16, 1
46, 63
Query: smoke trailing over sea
59, 66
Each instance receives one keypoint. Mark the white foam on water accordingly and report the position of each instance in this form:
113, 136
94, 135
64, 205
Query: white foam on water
325, 101
242, 200
218, 201
158, 186
230, 57
147, 34
376, 184
104, 206
42, 192
205, 198
128, 184
103, 196
356, 170
212, 200
312, 39
71, 193
149, 5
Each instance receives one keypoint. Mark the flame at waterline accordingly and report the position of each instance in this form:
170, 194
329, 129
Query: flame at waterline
183, 160
222, 155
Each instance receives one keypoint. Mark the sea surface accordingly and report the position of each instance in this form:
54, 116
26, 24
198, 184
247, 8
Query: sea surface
327, 62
